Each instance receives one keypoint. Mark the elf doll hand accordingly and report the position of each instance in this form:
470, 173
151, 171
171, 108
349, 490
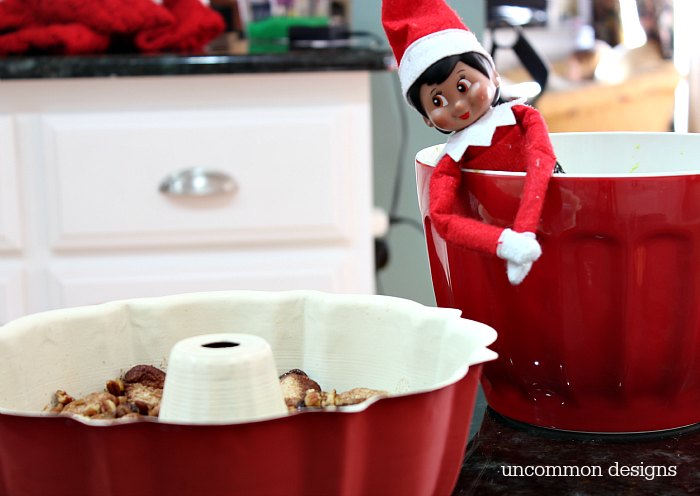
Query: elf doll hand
519, 248
517, 272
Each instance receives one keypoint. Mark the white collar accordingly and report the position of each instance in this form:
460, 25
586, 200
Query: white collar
481, 132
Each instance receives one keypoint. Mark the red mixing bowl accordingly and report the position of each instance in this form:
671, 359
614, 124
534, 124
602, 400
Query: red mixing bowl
410, 443
604, 333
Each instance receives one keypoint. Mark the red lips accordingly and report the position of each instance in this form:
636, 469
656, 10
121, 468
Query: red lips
464, 116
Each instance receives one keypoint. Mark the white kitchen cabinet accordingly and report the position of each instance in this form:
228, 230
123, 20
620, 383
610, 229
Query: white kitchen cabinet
289, 183
12, 294
82, 162
76, 283
10, 231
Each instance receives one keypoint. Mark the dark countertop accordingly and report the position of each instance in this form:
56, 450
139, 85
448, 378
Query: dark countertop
639, 464
110, 65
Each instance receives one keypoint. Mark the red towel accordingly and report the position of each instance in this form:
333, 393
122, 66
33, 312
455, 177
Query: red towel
14, 15
92, 26
195, 26
65, 39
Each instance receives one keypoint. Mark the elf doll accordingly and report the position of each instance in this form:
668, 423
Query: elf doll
451, 80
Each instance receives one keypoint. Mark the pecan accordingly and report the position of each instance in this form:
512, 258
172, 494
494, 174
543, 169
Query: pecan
125, 409
329, 400
62, 398
145, 397
115, 387
98, 405
108, 406
90, 410
141, 406
319, 399
325, 399
312, 399
146, 375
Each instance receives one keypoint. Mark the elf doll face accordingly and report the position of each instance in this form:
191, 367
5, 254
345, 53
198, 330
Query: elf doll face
460, 100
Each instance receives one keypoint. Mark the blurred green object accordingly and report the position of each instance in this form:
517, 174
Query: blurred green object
271, 35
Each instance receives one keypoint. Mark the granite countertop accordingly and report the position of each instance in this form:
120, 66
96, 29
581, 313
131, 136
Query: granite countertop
506, 457
215, 62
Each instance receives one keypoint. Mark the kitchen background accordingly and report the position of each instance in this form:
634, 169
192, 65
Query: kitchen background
99, 155
612, 65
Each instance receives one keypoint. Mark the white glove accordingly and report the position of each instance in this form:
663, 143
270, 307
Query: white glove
517, 272
519, 248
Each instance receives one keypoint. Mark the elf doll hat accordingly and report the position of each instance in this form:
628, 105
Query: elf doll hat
422, 32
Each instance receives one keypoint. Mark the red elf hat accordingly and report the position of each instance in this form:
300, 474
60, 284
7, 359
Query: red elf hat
422, 32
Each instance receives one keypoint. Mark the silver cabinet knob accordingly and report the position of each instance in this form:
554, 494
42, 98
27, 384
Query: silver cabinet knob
198, 181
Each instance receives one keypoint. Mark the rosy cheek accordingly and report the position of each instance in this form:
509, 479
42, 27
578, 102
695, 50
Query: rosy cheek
491, 92
440, 119
480, 92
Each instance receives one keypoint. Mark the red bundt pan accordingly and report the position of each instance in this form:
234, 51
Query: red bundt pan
410, 443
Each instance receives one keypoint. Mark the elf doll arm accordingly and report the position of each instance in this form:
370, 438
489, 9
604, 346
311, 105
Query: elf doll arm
539, 164
468, 233
519, 246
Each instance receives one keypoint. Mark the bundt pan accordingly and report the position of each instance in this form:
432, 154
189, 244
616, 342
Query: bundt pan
411, 442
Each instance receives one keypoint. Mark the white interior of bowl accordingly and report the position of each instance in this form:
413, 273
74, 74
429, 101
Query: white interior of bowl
342, 341
615, 154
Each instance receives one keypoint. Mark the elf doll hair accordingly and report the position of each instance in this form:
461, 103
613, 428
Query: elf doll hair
440, 71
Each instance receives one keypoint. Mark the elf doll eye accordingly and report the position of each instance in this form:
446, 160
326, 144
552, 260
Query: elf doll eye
440, 101
463, 85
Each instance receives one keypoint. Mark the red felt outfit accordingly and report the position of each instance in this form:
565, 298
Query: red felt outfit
509, 137
524, 146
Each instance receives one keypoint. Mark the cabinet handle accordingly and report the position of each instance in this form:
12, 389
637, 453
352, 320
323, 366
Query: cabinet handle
197, 181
